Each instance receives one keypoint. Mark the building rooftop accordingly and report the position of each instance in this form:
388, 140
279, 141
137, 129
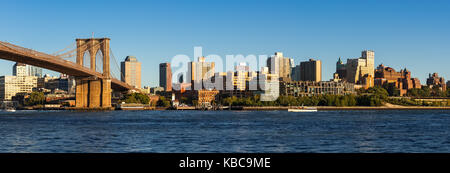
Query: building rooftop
131, 58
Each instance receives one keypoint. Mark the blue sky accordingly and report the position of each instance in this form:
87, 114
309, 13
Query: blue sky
403, 33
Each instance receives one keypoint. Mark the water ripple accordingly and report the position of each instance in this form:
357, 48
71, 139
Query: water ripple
225, 131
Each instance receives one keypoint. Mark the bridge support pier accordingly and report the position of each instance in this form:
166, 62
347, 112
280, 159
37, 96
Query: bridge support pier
93, 93
106, 93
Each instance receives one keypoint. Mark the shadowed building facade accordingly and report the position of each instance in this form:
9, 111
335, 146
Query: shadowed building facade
312, 88
311, 70
165, 76
341, 71
435, 81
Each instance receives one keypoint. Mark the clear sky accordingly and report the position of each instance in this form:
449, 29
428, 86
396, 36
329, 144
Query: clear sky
405, 33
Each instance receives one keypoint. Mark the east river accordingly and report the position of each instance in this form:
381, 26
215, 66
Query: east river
225, 131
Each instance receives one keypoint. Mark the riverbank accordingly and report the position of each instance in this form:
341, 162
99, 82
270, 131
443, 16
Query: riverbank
269, 108
348, 108
255, 108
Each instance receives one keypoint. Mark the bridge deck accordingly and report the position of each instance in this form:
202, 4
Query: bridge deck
27, 56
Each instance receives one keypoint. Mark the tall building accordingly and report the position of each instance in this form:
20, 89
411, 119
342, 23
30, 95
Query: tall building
11, 85
435, 81
34, 71
165, 76
199, 71
280, 65
295, 73
358, 71
341, 71
401, 80
20, 69
242, 67
131, 71
311, 70
291, 61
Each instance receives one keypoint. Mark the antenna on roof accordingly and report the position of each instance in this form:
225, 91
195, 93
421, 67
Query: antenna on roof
92, 34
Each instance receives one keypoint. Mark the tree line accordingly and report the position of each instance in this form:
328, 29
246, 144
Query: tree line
371, 97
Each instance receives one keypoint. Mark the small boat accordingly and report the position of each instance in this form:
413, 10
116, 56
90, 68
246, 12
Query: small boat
131, 106
10, 110
302, 109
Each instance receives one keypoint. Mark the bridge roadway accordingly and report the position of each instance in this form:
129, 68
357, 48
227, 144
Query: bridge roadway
27, 56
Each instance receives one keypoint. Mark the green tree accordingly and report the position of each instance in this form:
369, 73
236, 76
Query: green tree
137, 98
391, 89
415, 92
425, 92
372, 97
163, 102
436, 92
36, 98
195, 102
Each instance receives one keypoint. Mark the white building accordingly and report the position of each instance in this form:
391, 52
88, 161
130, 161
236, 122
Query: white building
361, 67
280, 65
199, 71
11, 85
20, 69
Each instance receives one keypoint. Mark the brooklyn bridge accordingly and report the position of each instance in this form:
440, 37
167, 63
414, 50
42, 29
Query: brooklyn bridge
91, 68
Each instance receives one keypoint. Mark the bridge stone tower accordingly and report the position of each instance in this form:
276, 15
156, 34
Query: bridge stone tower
92, 91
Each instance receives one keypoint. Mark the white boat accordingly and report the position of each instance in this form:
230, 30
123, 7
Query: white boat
131, 106
10, 110
302, 109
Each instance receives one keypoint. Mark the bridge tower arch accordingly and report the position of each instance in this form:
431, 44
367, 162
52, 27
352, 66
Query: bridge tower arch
93, 92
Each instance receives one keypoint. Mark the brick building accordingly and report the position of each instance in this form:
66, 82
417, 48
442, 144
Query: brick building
401, 80
435, 81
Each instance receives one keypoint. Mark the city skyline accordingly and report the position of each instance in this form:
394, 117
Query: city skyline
409, 35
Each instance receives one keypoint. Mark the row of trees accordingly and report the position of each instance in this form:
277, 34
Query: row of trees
36, 98
375, 96
144, 99
425, 91
371, 97
428, 92
136, 98
410, 102
163, 102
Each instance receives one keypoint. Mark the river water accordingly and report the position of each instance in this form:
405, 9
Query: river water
225, 131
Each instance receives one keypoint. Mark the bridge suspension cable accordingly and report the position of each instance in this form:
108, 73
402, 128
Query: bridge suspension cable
62, 50
121, 75
73, 52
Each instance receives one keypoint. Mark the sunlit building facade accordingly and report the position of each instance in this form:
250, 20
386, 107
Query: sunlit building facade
131, 71
11, 85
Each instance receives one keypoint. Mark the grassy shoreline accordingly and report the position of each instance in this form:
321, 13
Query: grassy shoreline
267, 108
